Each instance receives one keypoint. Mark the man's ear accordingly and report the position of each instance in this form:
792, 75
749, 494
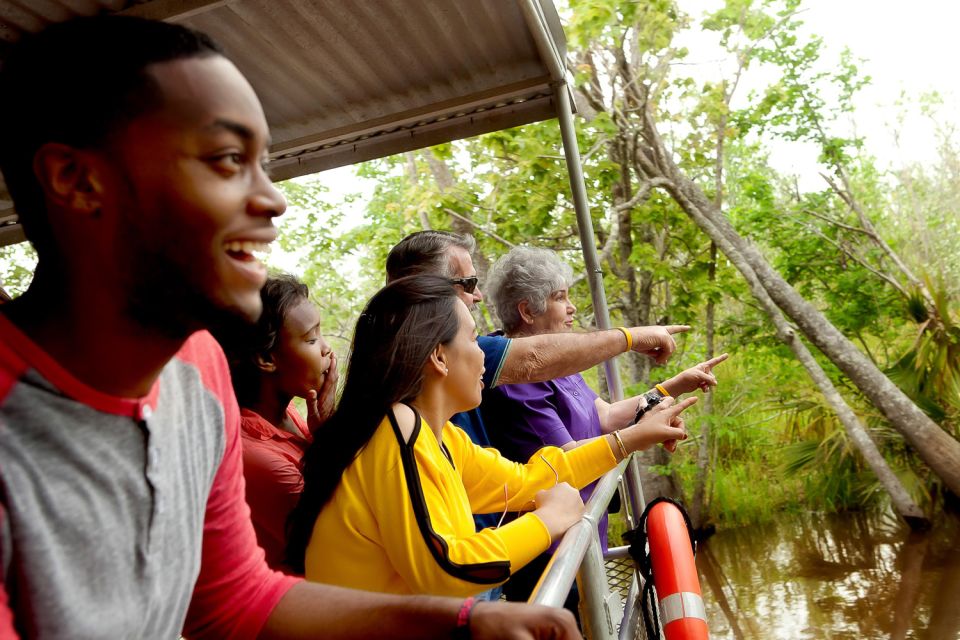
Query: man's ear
438, 360
72, 178
265, 363
524, 308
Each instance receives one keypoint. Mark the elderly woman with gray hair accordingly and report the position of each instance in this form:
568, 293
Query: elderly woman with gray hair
530, 290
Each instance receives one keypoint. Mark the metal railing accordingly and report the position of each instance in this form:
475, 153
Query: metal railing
579, 557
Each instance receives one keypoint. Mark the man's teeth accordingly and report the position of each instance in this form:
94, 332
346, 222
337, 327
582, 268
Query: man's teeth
247, 246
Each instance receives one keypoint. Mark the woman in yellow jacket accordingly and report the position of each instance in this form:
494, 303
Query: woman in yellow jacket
390, 485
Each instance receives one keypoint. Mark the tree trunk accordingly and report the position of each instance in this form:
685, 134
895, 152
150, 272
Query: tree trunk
851, 423
698, 506
410, 169
623, 267
445, 182
936, 447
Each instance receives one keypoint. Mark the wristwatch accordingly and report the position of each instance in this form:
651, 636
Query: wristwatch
653, 398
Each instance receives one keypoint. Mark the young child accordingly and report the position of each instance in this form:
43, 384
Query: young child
281, 357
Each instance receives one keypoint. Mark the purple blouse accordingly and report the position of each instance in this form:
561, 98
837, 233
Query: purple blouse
523, 418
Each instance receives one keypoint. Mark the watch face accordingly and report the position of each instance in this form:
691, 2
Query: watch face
653, 398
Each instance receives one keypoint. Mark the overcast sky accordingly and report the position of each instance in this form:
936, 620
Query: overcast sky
908, 48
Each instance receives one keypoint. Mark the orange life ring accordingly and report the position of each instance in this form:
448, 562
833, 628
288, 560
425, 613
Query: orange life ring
682, 614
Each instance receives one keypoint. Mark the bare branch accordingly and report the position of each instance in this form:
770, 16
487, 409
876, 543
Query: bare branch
846, 195
860, 260
837, 223
480, 228
643, 192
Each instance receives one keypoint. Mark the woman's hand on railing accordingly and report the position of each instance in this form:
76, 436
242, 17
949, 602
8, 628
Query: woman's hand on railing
559, 508
663, 423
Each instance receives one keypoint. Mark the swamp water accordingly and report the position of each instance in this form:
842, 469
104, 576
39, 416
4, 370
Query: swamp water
839, 576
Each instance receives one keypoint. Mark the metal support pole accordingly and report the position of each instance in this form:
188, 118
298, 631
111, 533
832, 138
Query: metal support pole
615, 553
595, 613
631, 478
553, 583
626, 506
630, 625
571, 151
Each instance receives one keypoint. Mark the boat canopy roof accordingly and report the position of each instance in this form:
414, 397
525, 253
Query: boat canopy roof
344, 82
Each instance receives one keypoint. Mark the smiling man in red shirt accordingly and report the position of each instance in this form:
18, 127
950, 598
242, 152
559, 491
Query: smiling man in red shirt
134, 152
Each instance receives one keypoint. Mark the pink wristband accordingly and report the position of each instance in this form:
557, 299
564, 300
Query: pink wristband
462, 630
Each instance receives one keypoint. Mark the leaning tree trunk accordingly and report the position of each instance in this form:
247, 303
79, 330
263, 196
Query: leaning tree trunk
857, 433
936, 447
698, 506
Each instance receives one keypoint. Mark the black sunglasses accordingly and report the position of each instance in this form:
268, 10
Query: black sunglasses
468, 284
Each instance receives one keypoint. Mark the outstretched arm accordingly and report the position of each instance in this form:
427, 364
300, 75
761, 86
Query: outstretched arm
554, 355
311, 610
617, 415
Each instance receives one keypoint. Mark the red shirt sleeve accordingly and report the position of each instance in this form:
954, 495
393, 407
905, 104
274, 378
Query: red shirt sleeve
7, 630
11, 367
236, 591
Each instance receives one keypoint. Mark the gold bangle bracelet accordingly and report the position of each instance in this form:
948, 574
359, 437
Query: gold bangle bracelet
623, 449
626, 334
663, 390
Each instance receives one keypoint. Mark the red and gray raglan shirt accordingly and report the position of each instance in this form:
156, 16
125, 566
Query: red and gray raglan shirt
125, 518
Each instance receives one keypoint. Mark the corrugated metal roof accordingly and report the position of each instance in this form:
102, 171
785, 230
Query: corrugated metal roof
347, 81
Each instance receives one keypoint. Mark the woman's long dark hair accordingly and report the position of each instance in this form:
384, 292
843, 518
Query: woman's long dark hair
395, 335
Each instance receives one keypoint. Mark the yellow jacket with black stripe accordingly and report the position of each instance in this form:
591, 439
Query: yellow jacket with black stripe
401, 519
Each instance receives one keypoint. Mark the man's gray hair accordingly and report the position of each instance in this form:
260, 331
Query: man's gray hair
525, 273
426, 252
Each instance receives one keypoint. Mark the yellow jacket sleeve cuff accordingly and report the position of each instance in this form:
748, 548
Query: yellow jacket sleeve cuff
590, 461
525, 538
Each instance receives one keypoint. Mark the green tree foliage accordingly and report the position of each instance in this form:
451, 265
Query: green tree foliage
17, 263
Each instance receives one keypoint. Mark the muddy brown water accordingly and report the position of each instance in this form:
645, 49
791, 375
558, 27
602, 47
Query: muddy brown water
834, 577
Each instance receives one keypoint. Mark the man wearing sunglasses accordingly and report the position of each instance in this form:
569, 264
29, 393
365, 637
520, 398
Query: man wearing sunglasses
529, 359
469, 284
